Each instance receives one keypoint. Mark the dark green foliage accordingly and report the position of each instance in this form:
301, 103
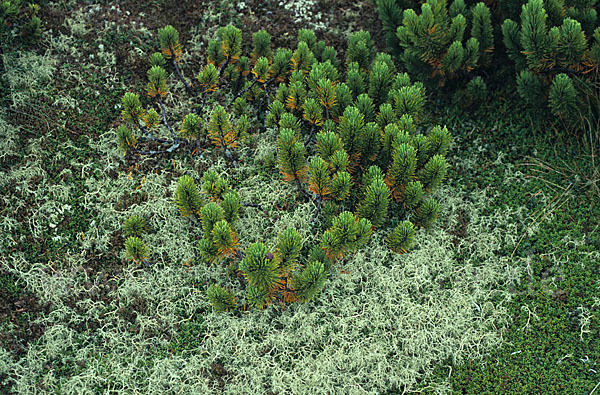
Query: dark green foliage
346, 235
391, 15
402, 237
157, 81
548, 41
231, 206
257, 297
374, 204
261, 69
380, 82
132, 108
261, 271
169, 40
221, 298
157, 59
413, 195
223, 237
136, 250
530, 88
213, 185
434, 172
328, 143
350, 130
281, 63
563, 98
433, 44
208, 78
191, 126
355, 79
231, 41
402, 170
134, 226
482, 27
290, 121
187, 196
438, 141
408, 100
319, 181
261, 41
427, 213
361, 49
287, 251
207, 250
338, 161
211, 214
340, 185
302, 58
291, 156
309, 282
276, 109
365, 105
329, 54
474, 94
125, 138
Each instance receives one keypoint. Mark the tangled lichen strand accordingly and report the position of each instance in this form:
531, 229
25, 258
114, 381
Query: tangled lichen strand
376, 327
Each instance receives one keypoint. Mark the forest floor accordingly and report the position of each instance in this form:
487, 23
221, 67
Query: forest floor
503, 296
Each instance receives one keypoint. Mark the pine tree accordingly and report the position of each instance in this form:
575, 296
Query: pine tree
191, 127
211, 213
136, 250
214, 186
187, 196
308, 283
260, 270
132, 108
287, 251
151, 119
347, 233
291, 156
319, 181
427, 213
402, 169
157, 82
261, 43
434, 172
169, 42
361, 49
231, 206
221, 298
134, 226
341, 183
374, 205
224, 238
208, 78
125, 138
220, 131
402, 237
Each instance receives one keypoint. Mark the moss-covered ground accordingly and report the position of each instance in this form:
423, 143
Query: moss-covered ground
502, 296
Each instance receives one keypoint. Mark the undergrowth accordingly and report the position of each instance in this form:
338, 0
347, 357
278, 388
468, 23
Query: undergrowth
499, 296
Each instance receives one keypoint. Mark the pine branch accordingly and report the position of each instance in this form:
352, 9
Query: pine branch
311, 134
179, 75
164, 115
317, 211
301, 190
222, 68
149, 136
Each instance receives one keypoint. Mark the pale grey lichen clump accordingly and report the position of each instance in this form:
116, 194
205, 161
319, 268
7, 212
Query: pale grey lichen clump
382, 321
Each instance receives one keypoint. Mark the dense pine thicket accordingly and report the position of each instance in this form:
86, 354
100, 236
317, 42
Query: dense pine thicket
349, 139
553, 46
